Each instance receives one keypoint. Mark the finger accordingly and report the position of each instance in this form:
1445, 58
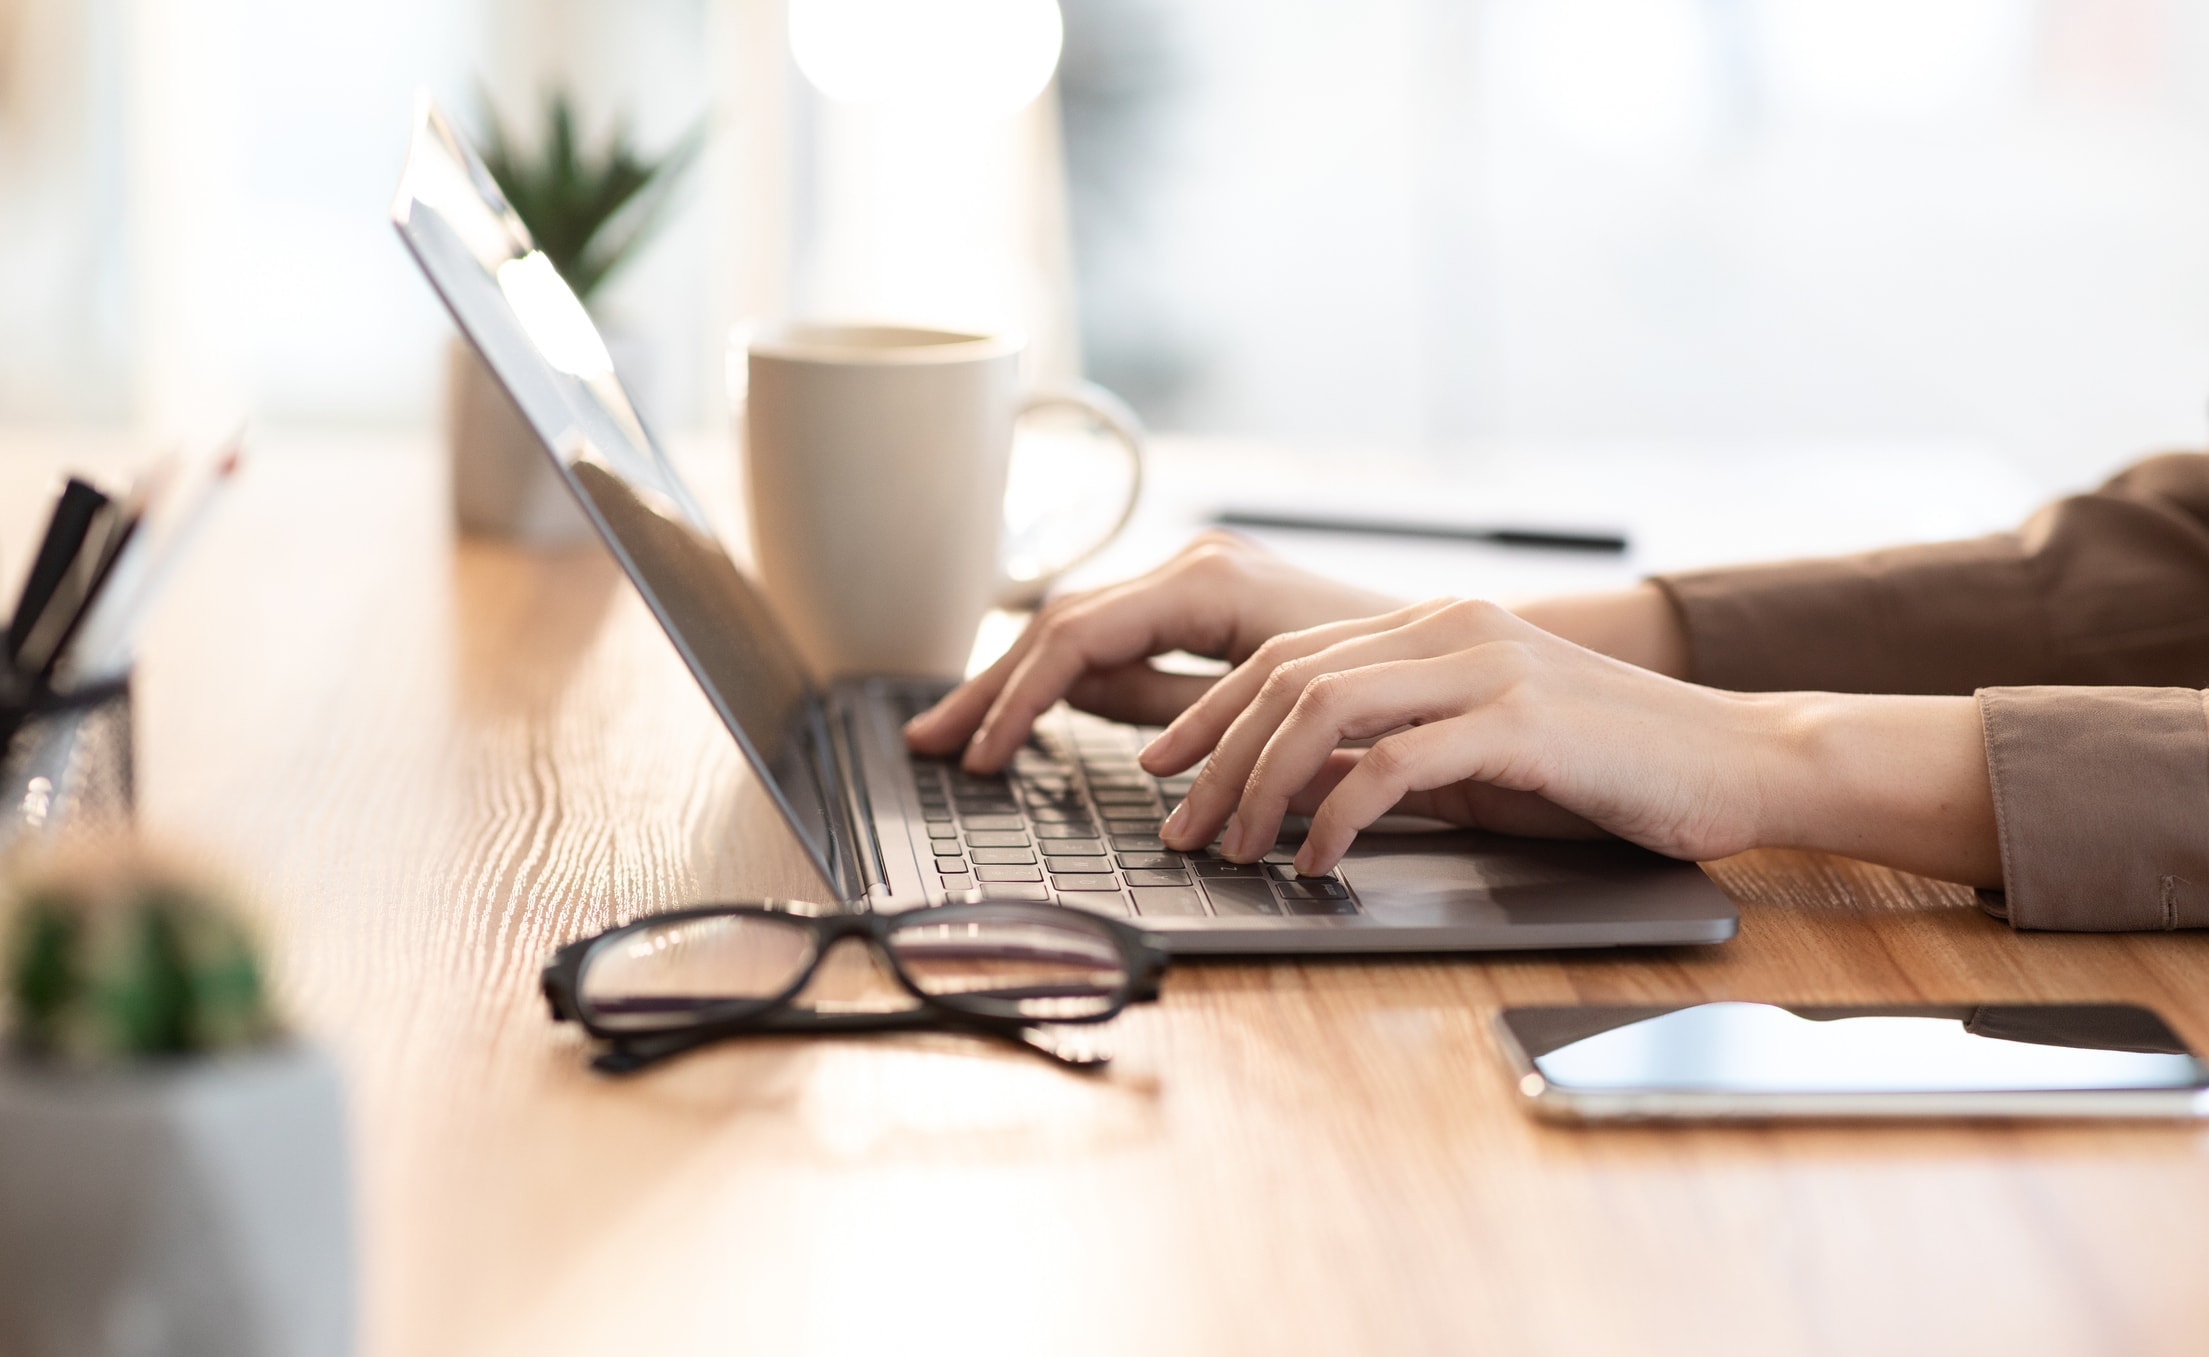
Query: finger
943, 728
1137, 693
1353, 704
1329, 776
953, 720
1198, 730
1220, 787
1181, 606
1476, 805
1463, 748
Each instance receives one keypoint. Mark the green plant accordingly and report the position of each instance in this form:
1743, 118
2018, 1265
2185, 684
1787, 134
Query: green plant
124, 959
587, 209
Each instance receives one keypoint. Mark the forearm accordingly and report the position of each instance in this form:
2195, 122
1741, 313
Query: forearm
1900, 781
1639, 625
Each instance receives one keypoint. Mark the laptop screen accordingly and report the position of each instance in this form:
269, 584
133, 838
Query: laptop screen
521, 316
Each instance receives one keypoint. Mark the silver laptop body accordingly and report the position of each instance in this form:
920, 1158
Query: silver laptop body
1074, 821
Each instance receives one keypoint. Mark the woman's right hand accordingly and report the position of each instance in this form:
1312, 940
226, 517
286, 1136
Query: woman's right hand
1221, 597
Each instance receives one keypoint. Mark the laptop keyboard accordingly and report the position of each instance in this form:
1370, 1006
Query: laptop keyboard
1075, 821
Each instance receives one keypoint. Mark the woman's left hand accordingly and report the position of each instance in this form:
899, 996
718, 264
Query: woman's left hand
1476, 717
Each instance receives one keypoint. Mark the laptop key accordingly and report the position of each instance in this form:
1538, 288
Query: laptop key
994, 822
950, 865
1084, 881
1003, 857
1208, 868
1081, 864
1008, 874
1072, 848
1070, 830
1314, 888
1122, 796
1141, 877
1146, 825
1151, 862
1138, 843
1240, 895
1013, 891
1159, 901
933, 815
996, 838
943, 831
1109, 903
1295, 906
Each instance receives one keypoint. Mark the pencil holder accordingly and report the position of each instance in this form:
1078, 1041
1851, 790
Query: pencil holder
66, 759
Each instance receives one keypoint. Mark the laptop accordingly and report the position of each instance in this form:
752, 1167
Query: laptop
1073, 822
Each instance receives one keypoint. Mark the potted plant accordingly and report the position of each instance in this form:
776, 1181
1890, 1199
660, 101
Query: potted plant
173, 1174
590, 209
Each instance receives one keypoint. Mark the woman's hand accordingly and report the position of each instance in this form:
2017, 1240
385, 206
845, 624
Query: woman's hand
1221, 597
1484, 719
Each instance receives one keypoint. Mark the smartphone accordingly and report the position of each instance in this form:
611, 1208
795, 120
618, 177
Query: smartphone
1745, 1061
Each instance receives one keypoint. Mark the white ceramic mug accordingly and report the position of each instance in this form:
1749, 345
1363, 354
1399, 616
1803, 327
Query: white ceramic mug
875, 464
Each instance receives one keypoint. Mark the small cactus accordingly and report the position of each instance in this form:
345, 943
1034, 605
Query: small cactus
113, 957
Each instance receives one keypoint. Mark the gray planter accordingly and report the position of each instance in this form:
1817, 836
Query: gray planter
200, 1209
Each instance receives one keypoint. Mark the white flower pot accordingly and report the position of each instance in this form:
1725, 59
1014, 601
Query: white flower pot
176, 1210
503, 484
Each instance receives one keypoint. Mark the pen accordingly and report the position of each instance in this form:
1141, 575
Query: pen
84, 579
103, 646
66, 529
1551, 538
72, 594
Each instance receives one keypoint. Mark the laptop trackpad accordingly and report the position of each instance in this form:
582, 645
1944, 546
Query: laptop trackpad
1463, 876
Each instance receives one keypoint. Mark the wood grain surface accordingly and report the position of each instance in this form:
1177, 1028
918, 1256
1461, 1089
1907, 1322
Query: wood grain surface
431, 763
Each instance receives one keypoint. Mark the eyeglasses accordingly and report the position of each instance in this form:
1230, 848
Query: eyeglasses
669, 983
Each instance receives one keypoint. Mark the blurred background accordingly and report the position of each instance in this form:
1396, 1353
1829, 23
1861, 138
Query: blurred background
1429, 226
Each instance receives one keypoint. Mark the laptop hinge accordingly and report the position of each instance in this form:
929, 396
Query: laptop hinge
858, 810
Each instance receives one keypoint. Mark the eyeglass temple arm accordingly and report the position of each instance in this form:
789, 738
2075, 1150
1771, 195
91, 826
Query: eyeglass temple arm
1079, 1050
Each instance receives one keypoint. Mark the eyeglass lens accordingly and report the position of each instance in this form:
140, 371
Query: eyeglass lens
679, 972
1012, 966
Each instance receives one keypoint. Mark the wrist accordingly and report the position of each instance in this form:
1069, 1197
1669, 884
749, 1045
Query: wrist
1900, 781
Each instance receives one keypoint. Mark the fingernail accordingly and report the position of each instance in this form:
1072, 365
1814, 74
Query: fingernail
1305, 860
1231, 839
1175, 822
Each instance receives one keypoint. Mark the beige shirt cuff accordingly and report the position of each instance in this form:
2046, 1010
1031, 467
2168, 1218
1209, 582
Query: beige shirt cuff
2101, 798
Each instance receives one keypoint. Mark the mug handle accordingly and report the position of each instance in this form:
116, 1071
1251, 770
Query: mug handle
1126, 427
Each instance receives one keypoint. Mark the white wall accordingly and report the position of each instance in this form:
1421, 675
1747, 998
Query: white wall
194, 205
1432, 224
1448, 223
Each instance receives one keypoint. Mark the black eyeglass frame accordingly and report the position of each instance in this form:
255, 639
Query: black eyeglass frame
1143, 956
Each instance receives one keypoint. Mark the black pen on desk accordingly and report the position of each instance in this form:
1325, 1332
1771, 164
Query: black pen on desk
1554, 539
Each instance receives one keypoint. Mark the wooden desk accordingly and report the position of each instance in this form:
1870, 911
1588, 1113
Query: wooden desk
433, 763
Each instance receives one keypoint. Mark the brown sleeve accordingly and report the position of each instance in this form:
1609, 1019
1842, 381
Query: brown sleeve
2109, 587
2101, 798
